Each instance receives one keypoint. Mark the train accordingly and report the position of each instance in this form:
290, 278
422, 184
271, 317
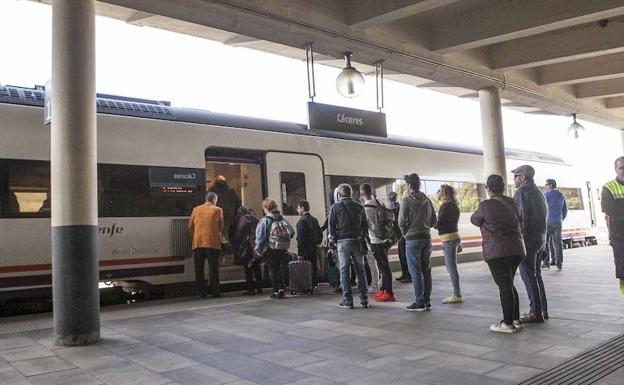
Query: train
156, 162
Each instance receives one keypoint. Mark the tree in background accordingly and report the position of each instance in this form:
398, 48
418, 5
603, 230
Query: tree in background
467, 197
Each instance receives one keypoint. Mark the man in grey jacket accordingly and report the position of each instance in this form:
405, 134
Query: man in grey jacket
532, 207
416, 218
377, 245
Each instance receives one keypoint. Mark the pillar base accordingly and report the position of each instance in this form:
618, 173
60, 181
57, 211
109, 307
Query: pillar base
77, 339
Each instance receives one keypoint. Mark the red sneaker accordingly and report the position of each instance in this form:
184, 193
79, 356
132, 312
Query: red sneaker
386, 297
379, 294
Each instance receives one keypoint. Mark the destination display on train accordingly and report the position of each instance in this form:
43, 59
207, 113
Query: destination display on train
172, 180
327, 117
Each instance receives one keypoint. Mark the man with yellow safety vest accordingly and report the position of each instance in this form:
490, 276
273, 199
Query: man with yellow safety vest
612, 202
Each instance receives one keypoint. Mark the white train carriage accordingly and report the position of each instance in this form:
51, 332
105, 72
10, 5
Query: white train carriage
155, 162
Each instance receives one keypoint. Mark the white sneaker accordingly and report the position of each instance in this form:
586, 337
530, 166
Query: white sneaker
518, 325
502, 327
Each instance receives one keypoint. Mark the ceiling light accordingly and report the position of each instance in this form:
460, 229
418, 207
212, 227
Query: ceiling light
575, 128
350, 82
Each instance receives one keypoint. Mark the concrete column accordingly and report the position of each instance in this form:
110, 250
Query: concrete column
492, 128
74, 174
622, 135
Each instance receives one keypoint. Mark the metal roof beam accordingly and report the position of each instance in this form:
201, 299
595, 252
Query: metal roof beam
138, 17
572, 44
600, 89
515, 104
518, 19
368, 13
240, 40
436, 85
582, 71
617, 102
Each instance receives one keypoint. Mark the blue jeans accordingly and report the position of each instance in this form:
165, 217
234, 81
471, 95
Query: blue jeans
554, 246
418, 252
449, 249
531, 274
349, 251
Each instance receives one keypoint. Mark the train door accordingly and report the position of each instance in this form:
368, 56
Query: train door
294, 177
592, 210
235, 175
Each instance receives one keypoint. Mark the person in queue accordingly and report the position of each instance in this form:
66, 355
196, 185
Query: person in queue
416, 218
309, 236
243, 241
557, 212
229, 201
503, 248
273, 235
377, 245
396, 207
532, 207
612, 203
448, 219
206, 227
347, 227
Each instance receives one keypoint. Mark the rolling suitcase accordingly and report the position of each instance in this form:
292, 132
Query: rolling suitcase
300, 274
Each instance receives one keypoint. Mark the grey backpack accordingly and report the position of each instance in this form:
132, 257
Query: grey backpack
279, 235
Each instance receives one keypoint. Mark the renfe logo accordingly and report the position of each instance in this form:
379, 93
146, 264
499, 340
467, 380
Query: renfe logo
342, 118
190, 175
110, 230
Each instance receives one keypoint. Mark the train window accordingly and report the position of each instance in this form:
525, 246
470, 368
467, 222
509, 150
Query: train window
467, 194
24, 189
573, 197
381, 186
143, 191
293, 190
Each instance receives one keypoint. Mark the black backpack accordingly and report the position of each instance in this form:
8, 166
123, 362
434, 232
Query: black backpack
245, 238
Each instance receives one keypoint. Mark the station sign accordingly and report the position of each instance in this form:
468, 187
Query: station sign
327, 117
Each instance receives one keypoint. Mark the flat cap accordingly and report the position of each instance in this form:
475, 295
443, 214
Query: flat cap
525, 169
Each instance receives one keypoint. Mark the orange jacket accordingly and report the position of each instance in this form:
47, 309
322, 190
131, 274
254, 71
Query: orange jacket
206, 225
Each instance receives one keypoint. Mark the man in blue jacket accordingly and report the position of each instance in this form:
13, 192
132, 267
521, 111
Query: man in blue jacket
557, 212
532, 207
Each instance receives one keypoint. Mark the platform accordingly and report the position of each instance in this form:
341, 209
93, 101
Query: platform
308, 340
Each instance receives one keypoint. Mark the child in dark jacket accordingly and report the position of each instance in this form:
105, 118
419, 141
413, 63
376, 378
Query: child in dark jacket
309, 236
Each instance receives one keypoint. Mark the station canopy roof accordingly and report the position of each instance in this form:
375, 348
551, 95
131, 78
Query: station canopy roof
547, 56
